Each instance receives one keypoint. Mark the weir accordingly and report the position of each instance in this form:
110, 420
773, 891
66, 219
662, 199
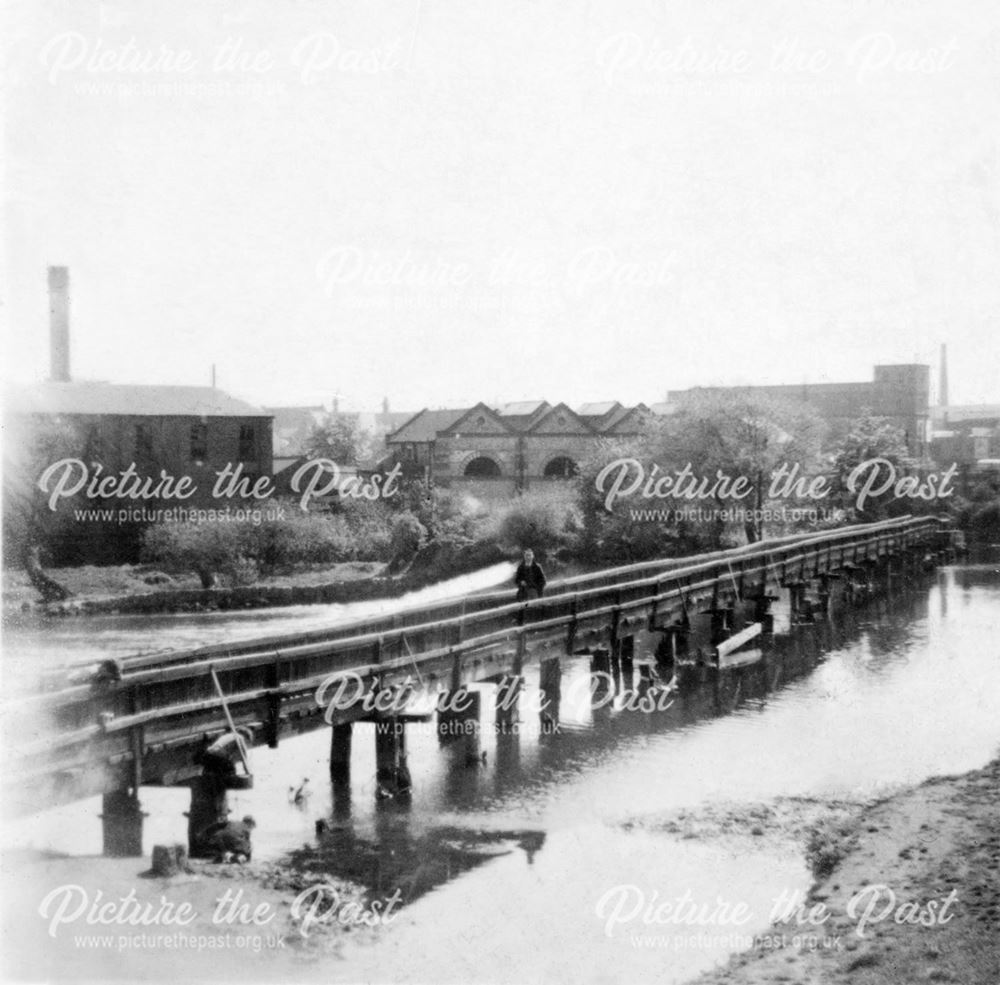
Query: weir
160, 718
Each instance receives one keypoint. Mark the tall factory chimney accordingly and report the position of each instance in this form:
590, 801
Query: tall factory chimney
59, 324
943, 381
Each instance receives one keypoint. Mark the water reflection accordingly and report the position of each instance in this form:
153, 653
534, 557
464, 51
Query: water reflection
521, 847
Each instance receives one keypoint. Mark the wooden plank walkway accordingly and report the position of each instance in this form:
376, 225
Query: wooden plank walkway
70, 741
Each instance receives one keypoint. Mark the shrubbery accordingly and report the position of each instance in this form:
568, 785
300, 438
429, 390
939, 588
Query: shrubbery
241, 551
209, 549
984, 522
407, 536
546, 521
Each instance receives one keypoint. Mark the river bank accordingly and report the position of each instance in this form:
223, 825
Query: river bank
144, 589
722, 796
926, 844
884, 876
105, 589
98, 919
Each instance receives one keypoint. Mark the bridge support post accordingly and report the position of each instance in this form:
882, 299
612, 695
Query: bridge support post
507, 712
459, 718
799, 606
671, 643
121, 823
600, 671
626, 660
762, 612
392, 775
825, 595
615, 668
869, 575
340, 753
549, 683
892, 571
209, 805
720, 623
645, 683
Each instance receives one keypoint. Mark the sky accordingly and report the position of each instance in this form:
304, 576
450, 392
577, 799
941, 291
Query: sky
439, 203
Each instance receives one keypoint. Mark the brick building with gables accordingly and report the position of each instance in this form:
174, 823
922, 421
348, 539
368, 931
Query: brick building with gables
497, 451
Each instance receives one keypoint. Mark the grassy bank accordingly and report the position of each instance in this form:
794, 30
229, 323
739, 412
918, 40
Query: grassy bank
133, 587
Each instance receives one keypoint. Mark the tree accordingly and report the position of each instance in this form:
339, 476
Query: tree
340, 439
31, 444
205, 548
741, 435
872, 438
729, 435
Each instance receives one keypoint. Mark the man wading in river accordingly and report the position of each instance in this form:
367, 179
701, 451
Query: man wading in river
529, 578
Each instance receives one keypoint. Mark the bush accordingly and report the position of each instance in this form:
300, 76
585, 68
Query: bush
985, 522
301, 538
367, 525
241, 551
407, 536
206, 548
544, 521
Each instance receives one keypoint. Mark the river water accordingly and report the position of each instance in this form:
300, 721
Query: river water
512, 867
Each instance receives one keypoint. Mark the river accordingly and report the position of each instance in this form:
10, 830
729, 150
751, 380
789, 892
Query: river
506, 864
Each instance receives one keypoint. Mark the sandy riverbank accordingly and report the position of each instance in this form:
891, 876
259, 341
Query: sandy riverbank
73, 919
929, 844
923, 846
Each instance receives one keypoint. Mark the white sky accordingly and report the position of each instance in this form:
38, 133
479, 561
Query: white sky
444, 202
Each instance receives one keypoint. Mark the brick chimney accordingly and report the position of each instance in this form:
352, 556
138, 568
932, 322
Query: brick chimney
59, 324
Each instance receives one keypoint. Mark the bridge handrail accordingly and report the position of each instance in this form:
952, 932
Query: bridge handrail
270, 689
489, 602
303, 685
785, 552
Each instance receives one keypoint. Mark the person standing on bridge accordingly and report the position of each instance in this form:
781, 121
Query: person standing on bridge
529, 578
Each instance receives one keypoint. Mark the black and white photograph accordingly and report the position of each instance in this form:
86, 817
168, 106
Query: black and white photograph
500, 493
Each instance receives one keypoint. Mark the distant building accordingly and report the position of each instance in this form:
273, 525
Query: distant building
900, 393
184, 430
189, 432
967, 434
292, 428
495, 451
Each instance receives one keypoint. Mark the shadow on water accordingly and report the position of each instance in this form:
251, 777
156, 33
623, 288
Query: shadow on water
412, 862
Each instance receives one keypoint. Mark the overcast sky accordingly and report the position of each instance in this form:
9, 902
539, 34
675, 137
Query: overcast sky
441, 202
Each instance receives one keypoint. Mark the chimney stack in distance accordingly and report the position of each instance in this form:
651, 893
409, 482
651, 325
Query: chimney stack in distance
59, 324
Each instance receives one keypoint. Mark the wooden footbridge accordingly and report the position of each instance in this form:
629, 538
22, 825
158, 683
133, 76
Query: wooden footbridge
190, 717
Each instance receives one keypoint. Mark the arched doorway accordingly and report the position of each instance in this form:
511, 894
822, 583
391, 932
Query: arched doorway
562, 467
482, 468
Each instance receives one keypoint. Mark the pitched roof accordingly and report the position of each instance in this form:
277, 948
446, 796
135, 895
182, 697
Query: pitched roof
523, 414
485, 417
425, 424
621, 415
663, 408
598, 409
566, 417
389, 420
126, 400
521, 408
